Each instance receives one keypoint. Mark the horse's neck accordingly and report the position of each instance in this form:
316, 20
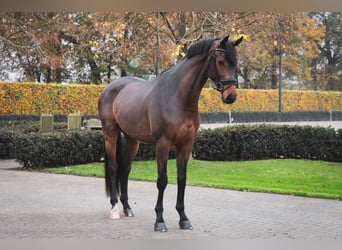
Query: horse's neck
193, 77
182, 84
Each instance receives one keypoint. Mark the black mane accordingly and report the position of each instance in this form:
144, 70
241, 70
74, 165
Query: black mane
203, 46
199, 48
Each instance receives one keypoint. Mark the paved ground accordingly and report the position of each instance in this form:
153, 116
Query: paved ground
333, 124
39, 205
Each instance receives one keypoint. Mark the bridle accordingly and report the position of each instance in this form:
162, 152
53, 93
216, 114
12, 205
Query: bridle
222, 84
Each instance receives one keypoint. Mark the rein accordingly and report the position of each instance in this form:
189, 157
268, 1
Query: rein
224, 84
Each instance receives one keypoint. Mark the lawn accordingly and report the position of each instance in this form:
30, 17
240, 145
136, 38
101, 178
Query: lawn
283, 176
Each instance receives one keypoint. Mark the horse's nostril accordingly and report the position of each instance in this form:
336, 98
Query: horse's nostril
230, 99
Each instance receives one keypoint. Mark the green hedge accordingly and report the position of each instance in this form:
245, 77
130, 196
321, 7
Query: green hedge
247, 142
7, 143
243, 142
55, 149
59, 148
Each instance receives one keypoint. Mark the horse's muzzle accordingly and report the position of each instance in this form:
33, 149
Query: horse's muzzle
229, 99
227, 87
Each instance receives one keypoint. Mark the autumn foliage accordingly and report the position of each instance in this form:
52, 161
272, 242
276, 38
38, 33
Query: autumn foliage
34, 98
267, 100
97, 47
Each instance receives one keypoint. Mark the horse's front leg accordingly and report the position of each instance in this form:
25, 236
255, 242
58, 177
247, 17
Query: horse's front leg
182, 157
162, 152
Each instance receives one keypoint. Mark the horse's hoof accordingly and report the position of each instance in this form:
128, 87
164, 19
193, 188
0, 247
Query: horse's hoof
128, 212
185, 224
160, 227
114, 214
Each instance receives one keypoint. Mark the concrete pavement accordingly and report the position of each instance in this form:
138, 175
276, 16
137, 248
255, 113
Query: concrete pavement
40, 205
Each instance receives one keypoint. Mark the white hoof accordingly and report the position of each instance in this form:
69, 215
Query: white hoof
114, 213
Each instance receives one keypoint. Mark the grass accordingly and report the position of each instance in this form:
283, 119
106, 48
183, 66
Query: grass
287, 176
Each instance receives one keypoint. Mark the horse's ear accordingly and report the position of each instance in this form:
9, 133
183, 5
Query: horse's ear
224, 40
237, 42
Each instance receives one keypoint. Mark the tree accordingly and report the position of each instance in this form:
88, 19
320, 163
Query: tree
327, 68
98, 47
32, 43
259, 56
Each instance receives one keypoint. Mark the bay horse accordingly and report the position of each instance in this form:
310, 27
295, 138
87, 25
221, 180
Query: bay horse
163, 111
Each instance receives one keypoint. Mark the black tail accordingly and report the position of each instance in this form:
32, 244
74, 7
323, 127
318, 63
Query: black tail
119, 158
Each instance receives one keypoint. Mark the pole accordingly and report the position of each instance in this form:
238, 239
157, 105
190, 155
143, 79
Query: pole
280, 109
158, 48
230, 117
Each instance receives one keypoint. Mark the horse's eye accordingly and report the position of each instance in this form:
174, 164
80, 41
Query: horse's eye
221, 62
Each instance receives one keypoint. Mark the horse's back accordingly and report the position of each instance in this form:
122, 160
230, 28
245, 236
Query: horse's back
125, 102
116, 85
113, 89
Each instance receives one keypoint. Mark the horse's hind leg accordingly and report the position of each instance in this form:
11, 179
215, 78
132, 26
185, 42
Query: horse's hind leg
111, 136
132, 147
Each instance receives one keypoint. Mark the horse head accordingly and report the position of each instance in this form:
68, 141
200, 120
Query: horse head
223, 66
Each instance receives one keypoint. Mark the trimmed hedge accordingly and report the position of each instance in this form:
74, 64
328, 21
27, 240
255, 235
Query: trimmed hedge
243, 142
7, 143
60, 148
55, 149
246, 142
35, 98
